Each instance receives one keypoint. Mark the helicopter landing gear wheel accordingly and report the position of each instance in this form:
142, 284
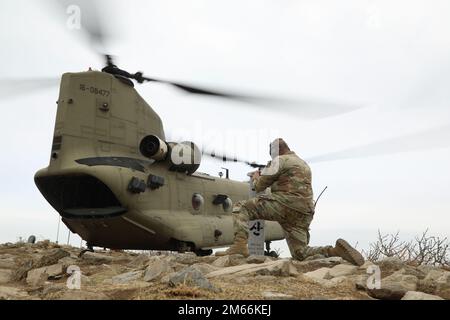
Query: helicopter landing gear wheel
203, 253
183, 247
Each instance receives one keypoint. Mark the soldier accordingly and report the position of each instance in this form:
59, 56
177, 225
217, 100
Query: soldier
290, 203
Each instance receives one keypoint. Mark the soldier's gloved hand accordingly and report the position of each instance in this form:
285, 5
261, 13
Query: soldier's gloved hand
256, 175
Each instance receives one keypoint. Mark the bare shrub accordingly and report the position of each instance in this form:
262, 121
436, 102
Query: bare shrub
422, 250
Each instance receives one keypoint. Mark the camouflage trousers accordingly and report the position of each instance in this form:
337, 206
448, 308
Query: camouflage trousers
294, 223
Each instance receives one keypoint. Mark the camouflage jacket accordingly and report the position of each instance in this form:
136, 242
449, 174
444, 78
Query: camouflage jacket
289, 179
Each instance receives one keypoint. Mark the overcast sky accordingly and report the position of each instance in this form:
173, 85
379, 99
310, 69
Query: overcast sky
391, 58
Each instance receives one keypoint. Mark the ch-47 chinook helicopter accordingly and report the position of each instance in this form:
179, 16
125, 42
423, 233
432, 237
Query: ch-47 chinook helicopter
118, 184
112, 175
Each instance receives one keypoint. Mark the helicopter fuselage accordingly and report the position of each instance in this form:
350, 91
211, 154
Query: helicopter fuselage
110, 194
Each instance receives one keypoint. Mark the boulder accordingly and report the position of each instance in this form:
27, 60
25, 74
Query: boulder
127, 277
140, 261
22, 269
6, 276
51, 257
257, 259
205, 268
9, 293
190, 276
187, 258
282, 268
319, 274
97, 258
157, 268
436, 282
416, 295
40, 275
342, 270
360, 281
366, 265
391, 262
394, 286
311, 265
68, 261
229, 260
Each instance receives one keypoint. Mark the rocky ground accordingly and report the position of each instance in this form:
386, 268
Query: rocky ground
43, 271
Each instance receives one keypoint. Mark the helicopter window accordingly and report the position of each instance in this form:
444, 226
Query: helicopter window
197, 201
227, 204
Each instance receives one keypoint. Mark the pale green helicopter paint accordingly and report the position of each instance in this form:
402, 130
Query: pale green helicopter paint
100, 122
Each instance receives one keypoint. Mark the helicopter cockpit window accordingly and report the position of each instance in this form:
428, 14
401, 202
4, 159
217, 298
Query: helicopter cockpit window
227, 205
197, 201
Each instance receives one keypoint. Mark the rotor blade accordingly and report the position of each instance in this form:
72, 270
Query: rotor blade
428, 139
225, 158
11, 87
86, 16
306, 108
217, 156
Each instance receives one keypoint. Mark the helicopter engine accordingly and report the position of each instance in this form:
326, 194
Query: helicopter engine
181, 157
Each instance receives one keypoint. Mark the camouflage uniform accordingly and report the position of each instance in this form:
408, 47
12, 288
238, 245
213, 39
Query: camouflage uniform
290, 203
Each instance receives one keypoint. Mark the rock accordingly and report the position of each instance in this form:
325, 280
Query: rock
68, 261
156, 269
205, 268
311, 265
360, 281
187, 258
127, 277
390, 264
257, 259
82, 295
191, 277
438, 276
282, 268
436, 282
97, 258
36, 277
53, 288
40, 275
319, 274
55, 270
416, 295
51, 257
166, 278
140, 261
7, 263
9, 293
22, 270
208, 259
270, 295
6, 276
366, 265
395, 286
229, 260
342, 270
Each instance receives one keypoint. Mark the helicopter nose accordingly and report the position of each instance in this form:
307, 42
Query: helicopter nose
79, 196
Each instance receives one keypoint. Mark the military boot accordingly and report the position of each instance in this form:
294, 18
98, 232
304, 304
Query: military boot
238, 247
344, 250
